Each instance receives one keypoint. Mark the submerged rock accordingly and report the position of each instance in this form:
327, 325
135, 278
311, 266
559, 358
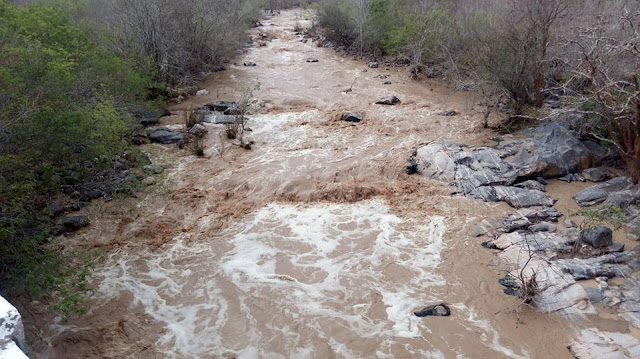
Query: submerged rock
220, 106
351, 117
439, 310
312, 60
249, 64
389, 100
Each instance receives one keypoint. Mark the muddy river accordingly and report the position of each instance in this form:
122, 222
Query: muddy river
314, 243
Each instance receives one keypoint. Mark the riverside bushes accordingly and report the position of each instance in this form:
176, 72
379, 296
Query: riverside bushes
62, 104
583, 54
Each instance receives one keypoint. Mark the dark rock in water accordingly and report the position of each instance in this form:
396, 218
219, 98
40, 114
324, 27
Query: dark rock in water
542, 180
387, 83
165, 136
73, 223
512, 285
531, 184
439, 310
390, 100
489, 245
249, 64
572, 177
447, 113
351, 117
594, 175
412, 167
598, 237
598, 193
312, 60
165, 112
220, 106
522, 198
373, 65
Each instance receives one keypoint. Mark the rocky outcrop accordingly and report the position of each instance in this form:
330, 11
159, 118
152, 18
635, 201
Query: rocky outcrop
513, 170
600, 192
165, 136
592, 343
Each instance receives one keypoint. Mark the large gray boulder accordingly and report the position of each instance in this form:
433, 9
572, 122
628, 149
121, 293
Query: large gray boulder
599, 193
522, 198
165, 136
598, 237
560, 150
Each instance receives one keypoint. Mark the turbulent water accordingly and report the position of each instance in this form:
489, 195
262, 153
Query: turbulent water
314, 244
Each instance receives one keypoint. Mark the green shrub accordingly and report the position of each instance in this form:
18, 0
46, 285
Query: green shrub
62, 106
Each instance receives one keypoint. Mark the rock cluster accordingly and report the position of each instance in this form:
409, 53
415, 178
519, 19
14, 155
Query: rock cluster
545, 260
512, 171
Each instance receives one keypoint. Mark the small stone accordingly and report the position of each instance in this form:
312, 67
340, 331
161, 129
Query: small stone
439, 310
387, 83
351, 117
312, 60
201, 93
448, 113
389, 101
598, 237
249, 64
373, 65
569, 223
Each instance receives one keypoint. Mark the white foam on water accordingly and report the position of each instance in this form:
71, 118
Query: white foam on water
288, 278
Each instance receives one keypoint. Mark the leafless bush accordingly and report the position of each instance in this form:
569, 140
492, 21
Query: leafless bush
176, 39
605, 55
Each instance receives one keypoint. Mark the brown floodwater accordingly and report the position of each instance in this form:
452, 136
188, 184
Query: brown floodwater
314, 243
